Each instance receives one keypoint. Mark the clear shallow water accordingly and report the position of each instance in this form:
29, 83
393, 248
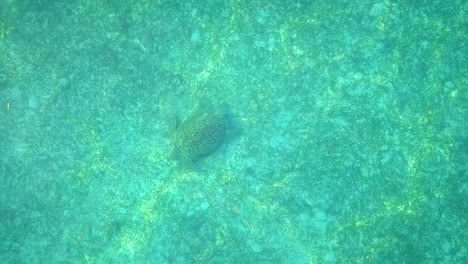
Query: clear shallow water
353, 144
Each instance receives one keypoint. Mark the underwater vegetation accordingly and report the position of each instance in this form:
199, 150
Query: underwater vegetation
198, 136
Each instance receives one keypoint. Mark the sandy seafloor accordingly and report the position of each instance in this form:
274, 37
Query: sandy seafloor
352, 117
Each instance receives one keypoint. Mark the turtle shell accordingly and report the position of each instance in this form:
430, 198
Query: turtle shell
199, 136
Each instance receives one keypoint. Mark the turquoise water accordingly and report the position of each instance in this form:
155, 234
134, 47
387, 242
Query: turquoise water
351, 143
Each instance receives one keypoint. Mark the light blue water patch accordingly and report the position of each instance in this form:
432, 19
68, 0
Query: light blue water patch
346, 141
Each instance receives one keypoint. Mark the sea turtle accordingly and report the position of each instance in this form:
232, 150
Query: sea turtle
198, 136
